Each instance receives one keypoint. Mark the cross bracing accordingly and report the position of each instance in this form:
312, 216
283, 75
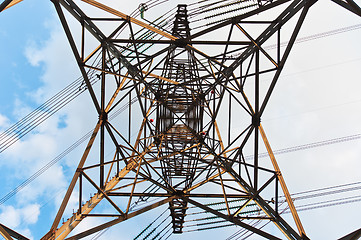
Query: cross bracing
183, 143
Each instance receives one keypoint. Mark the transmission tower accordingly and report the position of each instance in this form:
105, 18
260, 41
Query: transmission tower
194, 109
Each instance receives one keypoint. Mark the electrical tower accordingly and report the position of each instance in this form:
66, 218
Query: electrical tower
190, 132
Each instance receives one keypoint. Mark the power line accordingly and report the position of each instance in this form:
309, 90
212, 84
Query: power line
60, 156
308, 146
62, 98
326, 191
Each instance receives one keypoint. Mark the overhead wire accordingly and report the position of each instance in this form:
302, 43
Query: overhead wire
308, 146
61, 155
324, 192
297, 148
145, 229
161, 236
322, 143
40, 114
25, 125
327, 188
317, 36
99, 234
28, 123
314, 205
51, 106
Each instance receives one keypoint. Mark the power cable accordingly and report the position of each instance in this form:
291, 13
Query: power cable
60, 156
301, 195
145, 229
326, 188
44, 111
308, 146
317, 36
50, 107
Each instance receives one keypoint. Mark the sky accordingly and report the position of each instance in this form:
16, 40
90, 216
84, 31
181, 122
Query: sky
316, 99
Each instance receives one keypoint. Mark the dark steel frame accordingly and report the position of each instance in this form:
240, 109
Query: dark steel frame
175, 171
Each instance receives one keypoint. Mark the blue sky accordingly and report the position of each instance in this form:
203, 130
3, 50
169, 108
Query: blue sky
316, 99
20, 27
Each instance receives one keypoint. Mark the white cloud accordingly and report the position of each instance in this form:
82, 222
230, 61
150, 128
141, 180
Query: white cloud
4, 122
10, 216
21, 109
48, 140
34, 56
31, 213
14, 217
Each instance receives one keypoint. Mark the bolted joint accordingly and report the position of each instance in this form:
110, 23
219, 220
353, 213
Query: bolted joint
256, 120
181, 42
179, 193
103, 116
157, 141
304, 237
158, 96
201, 137
235, 20
202, 96
228, 71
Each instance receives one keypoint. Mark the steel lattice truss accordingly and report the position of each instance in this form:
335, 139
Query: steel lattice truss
194, 112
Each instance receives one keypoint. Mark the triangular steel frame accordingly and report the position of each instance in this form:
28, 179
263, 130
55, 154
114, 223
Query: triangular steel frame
142, 159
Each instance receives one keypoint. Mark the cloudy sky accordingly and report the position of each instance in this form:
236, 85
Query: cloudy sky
317, 99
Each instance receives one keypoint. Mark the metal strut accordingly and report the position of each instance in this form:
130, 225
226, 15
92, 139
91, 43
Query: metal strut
184, 149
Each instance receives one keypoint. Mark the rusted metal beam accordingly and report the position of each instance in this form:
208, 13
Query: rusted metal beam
5, 233
75, 178
193, 42
121, 219
196, 195
77, 217
282, 183
8, 3
234, 220
129, 18
76, 54
8, 233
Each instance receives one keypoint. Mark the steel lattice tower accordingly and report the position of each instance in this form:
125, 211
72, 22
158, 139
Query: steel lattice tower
194, 108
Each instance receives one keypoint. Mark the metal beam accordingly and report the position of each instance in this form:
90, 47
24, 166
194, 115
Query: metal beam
349, 5
306, 4
129, 18
355, 7
8, 3
82, 18
5, 233
282, 182
233, 220
352, 236
196, 195
8, 233
76, 54
118, 220
75, 178
240, 18
72, 222
193, 42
